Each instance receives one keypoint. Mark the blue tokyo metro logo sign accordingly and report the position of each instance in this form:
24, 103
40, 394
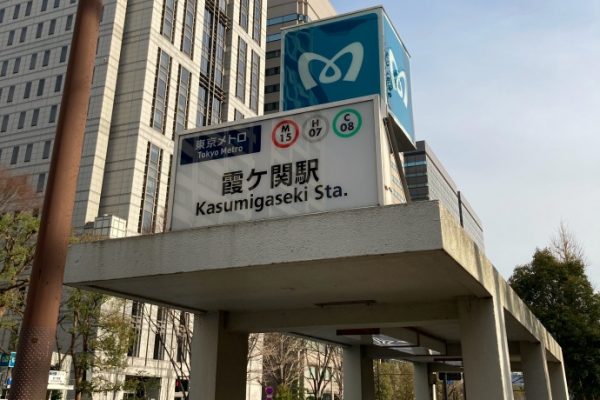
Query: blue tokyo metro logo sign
331, 61
331, 72
347, 57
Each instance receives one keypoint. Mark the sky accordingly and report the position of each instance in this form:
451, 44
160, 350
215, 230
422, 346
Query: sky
507, 94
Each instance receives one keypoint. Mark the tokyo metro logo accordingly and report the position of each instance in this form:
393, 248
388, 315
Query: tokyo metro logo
395, 80
331, 72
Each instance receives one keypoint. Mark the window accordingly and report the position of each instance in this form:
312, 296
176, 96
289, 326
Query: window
17, 65
40, 183
46, 151
52, 27
27, 91
189, 28
257, 20
2, 11
23, 35
168, 19
183, 95
17, 10
52, 117
217, 107
274, 106
46, 59
35, 116
182, 348
244, 6
4, 68
137, 314
272, 88
274, 37
206, 42
147, 221
28, 151
56, 3
273, 54
219, 55
63, 53
11, 38
38, 30
11, 93
238, 115
287, 18
15, 155
58, 83
69, 23
4, 125
254, 81
161, 91
44, 5
28, 8
240, 90
21, 123
272, 71
33, 61
160, 334
202, 104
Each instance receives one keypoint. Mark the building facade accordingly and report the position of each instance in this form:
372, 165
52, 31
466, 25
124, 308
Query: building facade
428, 180
162, 66
280, 14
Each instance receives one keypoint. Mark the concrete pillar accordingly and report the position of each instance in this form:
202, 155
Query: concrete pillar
484, 350
424, 389
558, 381
535, 371
359, 381
219, 360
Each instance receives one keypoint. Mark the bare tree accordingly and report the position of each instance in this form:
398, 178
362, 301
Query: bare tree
319, 361
565, 246
283, 361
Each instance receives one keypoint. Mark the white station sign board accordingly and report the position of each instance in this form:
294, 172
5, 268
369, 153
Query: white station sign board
310, 160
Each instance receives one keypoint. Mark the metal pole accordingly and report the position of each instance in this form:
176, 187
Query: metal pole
38, 328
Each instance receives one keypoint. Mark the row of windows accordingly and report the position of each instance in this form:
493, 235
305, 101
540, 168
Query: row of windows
254, 81
27, 7
39, 30
27, 89
14, 158
271, 107
34, 120
150, 192
273, 37
240, 91
288, 18
272, 88
273, 54
17, 65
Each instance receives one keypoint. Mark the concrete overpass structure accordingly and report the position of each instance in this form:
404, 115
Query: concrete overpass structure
400, 282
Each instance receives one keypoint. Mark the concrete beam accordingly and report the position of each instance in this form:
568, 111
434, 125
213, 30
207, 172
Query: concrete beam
340, 317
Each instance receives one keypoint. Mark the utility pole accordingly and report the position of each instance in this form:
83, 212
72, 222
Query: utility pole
38, 328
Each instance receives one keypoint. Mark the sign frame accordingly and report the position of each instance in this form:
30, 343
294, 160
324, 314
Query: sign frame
380, 144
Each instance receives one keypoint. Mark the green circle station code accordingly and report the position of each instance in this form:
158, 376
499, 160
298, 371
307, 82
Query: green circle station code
347, 123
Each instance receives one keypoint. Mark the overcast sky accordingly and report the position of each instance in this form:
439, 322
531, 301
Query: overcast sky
508, 96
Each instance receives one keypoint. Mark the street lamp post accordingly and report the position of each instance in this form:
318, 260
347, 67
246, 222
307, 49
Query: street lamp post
38, 328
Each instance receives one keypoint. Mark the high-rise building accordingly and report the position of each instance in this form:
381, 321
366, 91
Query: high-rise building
428, 180
280, 14
162, 66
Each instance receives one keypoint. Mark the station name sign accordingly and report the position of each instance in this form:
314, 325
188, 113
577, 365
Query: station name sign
299, 162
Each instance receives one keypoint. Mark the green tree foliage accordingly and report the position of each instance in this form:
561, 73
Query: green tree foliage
393, 380
554, 285
96, 334
18, 233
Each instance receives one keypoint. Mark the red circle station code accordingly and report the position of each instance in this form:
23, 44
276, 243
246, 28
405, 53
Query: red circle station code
285, 133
